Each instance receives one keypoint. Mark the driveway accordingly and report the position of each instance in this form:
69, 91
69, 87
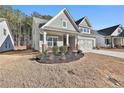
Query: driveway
109, 53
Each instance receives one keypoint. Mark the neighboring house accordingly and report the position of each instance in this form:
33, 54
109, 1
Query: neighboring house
61, 30
6, 40
110, 37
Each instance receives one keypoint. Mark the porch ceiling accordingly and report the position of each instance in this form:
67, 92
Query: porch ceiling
60, 31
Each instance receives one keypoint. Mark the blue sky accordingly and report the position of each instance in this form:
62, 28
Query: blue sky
99, 16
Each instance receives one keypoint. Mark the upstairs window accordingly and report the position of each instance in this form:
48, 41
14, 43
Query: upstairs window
64, 24
119, 31
4, 31
85, 30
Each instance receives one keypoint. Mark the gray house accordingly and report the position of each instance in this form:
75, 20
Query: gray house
62, 30
110, 37
6, 40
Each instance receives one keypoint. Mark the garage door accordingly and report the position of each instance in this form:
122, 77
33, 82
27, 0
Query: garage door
85, 44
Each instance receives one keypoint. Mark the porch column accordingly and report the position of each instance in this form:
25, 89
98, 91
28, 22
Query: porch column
44, 38
112, 42
122, 41
67, 39
76, 42
44, 41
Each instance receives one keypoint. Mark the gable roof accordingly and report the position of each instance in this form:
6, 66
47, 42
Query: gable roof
82, 19
39, 22
66, 12
79, 21
9, 32
108, 31
121, 34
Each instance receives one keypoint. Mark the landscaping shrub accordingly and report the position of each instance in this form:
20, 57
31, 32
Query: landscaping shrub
38, 56
97, 47
63, 49
44, 53
55, 49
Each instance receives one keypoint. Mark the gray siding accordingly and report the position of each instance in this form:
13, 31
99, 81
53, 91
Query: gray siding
35, 36
57, 22
7, 45
84, 24
100, 41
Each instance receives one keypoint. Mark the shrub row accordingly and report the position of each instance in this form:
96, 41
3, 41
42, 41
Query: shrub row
62, 49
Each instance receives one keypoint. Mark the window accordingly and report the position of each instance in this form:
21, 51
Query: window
41, 37
119, 31
107, 41
9, 46
64, 24
4, 31
5, 44
49, 40
85, 30
52, 41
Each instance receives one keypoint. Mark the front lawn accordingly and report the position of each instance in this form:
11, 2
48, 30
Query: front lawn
92, 70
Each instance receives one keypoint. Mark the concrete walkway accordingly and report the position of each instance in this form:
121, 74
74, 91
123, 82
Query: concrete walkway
109, 53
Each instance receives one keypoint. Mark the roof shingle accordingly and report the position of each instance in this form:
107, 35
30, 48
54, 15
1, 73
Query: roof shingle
108, 31
79, 21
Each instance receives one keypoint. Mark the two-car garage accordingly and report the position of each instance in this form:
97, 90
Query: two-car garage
86, 43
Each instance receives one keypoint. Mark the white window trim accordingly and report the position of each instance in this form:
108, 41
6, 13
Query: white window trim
86, 31
119, 30
65, 22
52, 40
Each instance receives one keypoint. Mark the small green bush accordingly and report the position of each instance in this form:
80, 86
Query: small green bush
38, 56
45, 53
63, 49
55, 49
42, 54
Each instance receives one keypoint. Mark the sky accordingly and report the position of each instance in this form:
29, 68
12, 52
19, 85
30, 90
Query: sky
99, 16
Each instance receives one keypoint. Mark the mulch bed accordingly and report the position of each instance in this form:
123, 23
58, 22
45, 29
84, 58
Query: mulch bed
59, 58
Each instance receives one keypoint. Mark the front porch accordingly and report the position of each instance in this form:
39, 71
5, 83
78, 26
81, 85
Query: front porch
49, 39
117, 42
114, 42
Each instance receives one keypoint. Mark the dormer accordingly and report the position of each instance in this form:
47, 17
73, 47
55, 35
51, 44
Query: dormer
84, 25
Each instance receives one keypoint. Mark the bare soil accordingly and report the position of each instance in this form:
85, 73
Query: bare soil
92, 70
20, 52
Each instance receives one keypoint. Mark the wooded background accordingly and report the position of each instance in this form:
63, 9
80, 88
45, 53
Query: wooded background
20, 24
